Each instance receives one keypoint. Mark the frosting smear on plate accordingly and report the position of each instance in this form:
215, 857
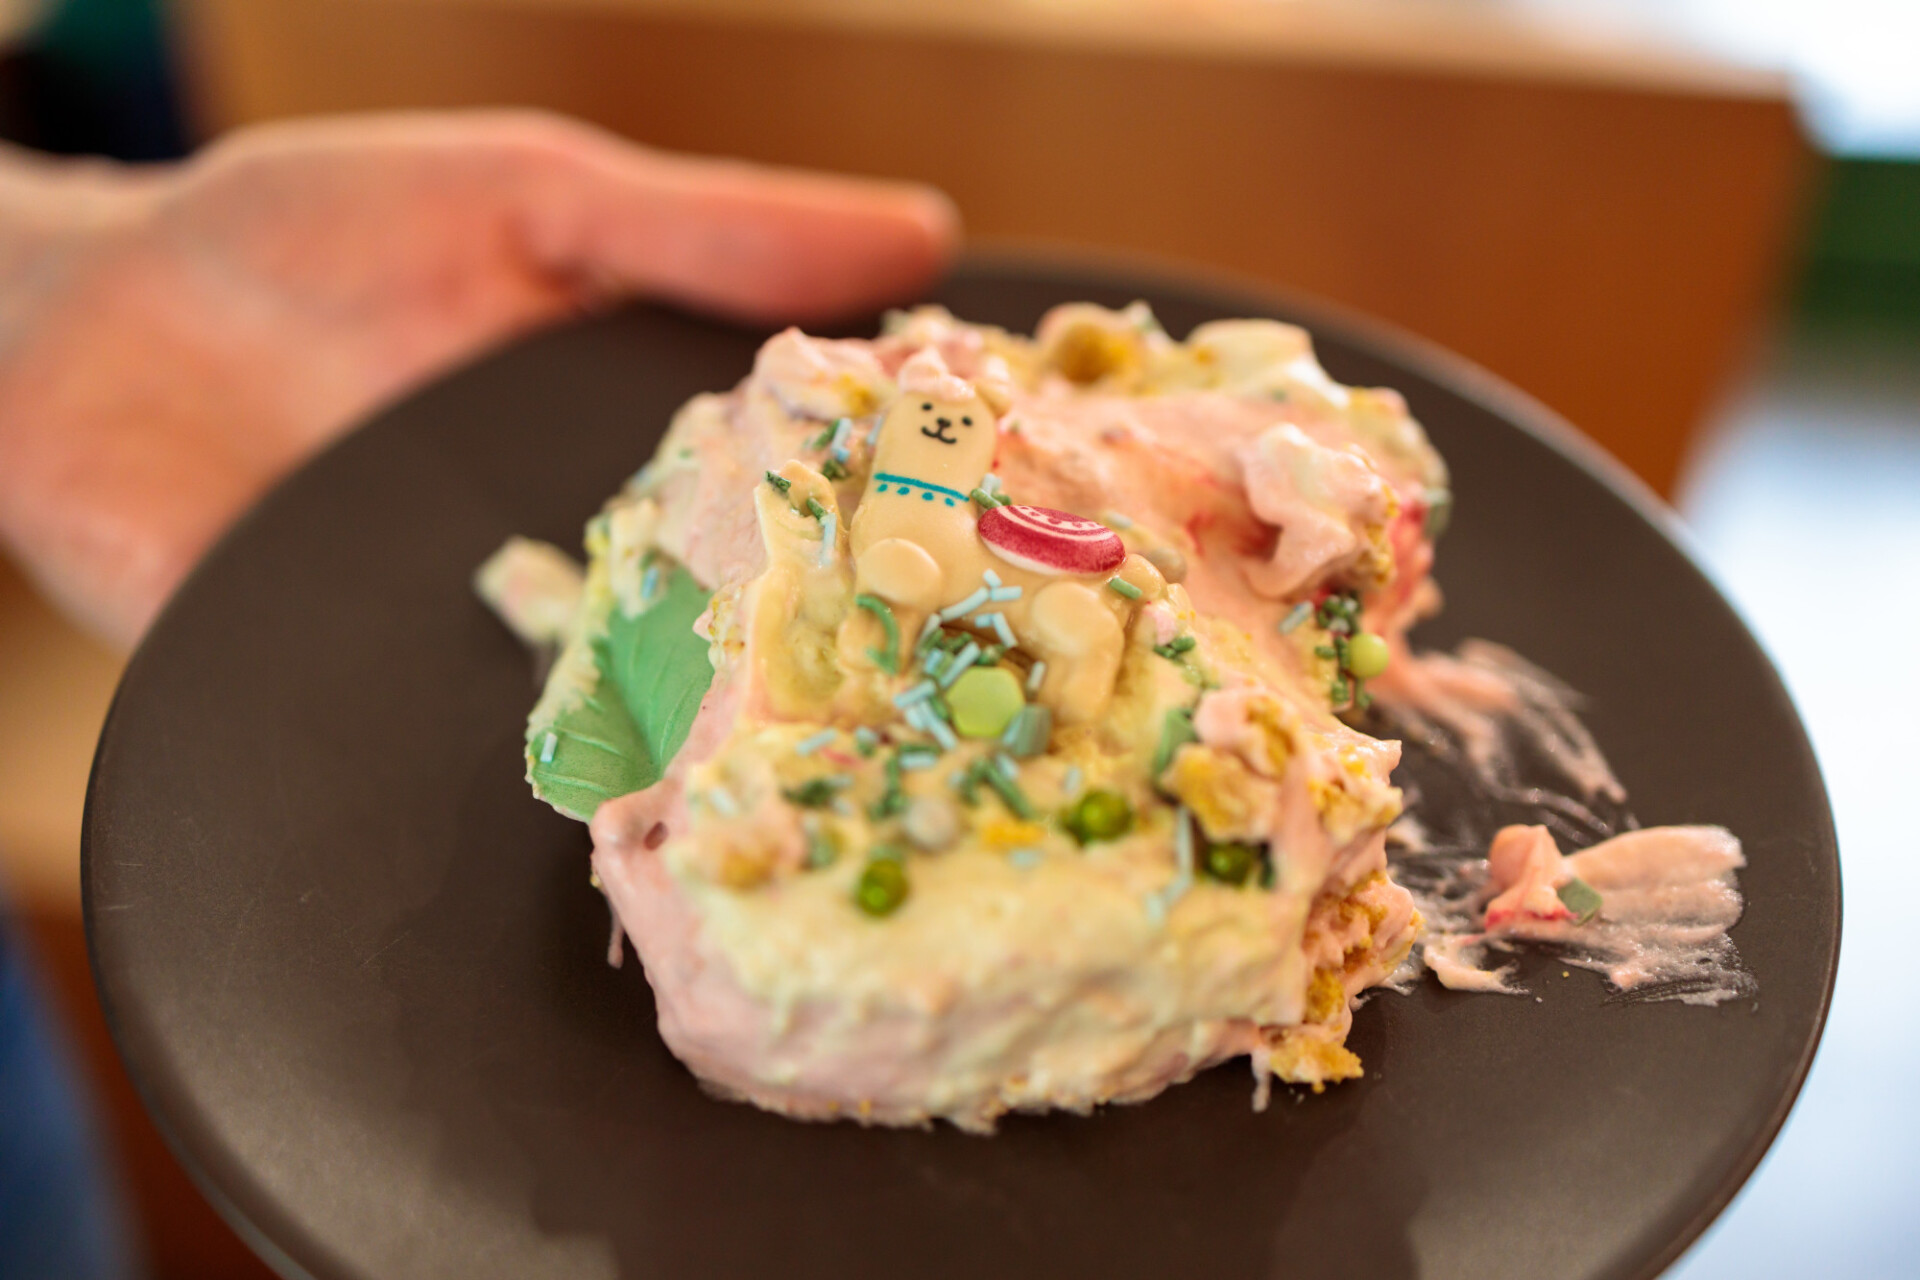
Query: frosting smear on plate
963, 718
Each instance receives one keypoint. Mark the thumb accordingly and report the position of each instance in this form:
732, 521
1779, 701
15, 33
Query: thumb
747, 241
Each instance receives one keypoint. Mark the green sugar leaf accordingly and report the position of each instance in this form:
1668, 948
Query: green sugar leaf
1580, 898
638, 684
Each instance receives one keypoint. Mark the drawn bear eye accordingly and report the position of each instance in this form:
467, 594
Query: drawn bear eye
966, 422
927, 407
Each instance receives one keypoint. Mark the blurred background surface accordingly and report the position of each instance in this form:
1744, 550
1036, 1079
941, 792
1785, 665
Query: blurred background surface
1691, 226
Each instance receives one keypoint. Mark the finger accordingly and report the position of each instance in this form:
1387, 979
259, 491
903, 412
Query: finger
747, 241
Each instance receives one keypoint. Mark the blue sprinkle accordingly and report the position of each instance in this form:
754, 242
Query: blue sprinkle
813, 742
941, 734
964, 607
936, 661
1008, 769
961, 661
546, 748
922, 759
1116, 520
828, 530
1295, 616
990, 482
723, 802
840, 428
1071, 783
919, 693
649, 582
865, 738
1024, 859
1006, 593
840, 453
991, 578
1001, 629
873, 436
1035, 676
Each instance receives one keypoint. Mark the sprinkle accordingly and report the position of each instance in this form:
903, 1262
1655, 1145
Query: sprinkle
823, 439
873, 436
942, 734
990, 655
834, 468
839, 438
991, 578
1295, 616
723, 802
1024, 859
1005, 593
1124, 587
1035, 676
829, 529
815, 510
813, 742
1008, 769
893, 799
919, 693
886, 659
1071, 783
927, 633
918, 757
984, 498
998, 621
1160, 903
1176, 731
961, 662
649, 582
990, 482
934, 661
779, 482
1113, 519
1027, 735
865, 740
546, 748
1008, 791
964, 607
1173, 648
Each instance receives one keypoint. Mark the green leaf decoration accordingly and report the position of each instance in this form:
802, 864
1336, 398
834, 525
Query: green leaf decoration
1580, 898
621, 697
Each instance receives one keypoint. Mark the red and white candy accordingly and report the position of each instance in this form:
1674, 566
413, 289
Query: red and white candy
1048, 541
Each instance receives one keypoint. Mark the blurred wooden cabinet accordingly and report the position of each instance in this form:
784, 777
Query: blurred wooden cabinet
1602, 224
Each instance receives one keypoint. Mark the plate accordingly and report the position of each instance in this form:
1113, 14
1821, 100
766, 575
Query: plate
359, 972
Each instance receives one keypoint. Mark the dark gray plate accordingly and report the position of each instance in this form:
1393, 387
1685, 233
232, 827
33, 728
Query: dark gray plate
358, 970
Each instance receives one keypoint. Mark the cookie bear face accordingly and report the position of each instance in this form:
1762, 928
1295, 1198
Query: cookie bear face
943, 442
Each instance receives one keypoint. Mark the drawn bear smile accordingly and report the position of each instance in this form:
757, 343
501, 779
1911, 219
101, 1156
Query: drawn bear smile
940, 432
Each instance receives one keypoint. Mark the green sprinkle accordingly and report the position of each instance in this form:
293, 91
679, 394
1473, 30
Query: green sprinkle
1176, 731
1367, 656
990, 655
816, 793
815, 510
833, 470
1325, 651
1340, 691
1027, 736
984, 701
779, 482
865, 741
1007, 789
892, 800
1230, 863
889, 659
1124, 587
983, 499
1098, 815
825, 438
882, 887
1580, 898
1173, 648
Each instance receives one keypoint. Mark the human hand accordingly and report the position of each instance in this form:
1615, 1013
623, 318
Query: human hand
172, 341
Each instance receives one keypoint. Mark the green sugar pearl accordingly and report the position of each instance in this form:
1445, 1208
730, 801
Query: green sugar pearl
1367, 655
1230, 863
882, 887
1098, 815
984, 701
